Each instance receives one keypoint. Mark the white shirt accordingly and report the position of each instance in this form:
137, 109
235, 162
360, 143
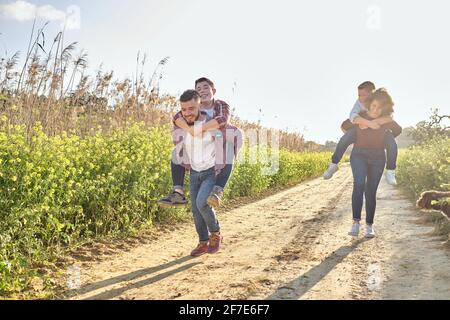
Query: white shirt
357, 108
209, 112
201, 150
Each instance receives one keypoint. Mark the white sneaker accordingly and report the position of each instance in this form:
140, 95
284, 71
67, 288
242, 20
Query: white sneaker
355, 230
390, 177
330, 171
370, 232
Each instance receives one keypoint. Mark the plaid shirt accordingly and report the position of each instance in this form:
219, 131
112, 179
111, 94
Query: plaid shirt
221, 113
227, 136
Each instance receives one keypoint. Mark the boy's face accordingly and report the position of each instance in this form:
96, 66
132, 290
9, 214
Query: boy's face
363, 95
190, 110
375, 109
205, 91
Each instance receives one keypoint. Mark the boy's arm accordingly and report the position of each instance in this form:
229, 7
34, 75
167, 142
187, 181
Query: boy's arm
366, 123
222, 114
384, 120
222, 118
356, 110
181, 123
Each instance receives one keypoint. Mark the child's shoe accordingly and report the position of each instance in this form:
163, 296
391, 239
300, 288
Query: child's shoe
390, 177
172, 200
330, 171
215, 197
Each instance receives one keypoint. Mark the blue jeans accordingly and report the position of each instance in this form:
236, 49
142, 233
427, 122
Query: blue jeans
201, 184
178, 172
350, 137
367, 167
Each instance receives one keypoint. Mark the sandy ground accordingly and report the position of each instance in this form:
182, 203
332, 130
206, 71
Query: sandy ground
292, 245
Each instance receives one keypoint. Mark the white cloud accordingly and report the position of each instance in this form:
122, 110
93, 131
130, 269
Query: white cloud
24, 11
50, 13
19, 10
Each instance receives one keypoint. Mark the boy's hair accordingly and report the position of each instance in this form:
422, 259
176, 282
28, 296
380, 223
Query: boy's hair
385, 100
189, 95
367, 85
203, 79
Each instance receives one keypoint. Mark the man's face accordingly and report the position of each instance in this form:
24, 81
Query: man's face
190, 110
205, 91
363, 95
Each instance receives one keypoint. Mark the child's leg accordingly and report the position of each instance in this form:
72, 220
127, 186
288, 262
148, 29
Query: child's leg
178, 172
347, 139
224, 176
391, 151
176, 196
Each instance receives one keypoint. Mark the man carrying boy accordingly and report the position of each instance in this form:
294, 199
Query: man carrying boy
199, 151
365, 90
219, 113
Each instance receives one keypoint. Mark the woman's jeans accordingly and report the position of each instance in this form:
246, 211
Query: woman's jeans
350, 137
201, 184
367, 167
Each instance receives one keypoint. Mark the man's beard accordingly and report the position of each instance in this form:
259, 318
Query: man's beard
193, 121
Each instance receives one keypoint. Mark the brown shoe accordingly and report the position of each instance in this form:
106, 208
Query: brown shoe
215, 240
202, 248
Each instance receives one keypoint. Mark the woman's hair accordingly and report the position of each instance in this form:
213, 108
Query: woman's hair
385, 100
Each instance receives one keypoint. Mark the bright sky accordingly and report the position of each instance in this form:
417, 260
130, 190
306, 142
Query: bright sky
299, 61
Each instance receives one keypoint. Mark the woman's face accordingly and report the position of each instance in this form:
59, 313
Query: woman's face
375, 109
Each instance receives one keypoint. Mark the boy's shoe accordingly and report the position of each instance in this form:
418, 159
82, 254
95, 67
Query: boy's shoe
202, 248
215, 197
390, 177
215, 240
172, 200
355, 230
330, 171
370, 232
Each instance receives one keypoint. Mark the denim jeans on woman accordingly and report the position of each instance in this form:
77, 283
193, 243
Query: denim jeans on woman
201, 184
367, 167
350, 137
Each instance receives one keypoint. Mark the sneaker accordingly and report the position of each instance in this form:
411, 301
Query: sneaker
202, 248
355, 230
370, 232
215, 241
215, 197
172, 200
390, 177
330, 171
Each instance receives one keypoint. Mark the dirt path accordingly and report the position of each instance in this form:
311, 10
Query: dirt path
293, 245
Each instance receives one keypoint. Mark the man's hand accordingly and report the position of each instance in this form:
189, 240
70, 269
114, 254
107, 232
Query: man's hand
363, 127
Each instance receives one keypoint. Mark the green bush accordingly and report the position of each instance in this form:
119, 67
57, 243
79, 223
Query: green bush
425, 167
